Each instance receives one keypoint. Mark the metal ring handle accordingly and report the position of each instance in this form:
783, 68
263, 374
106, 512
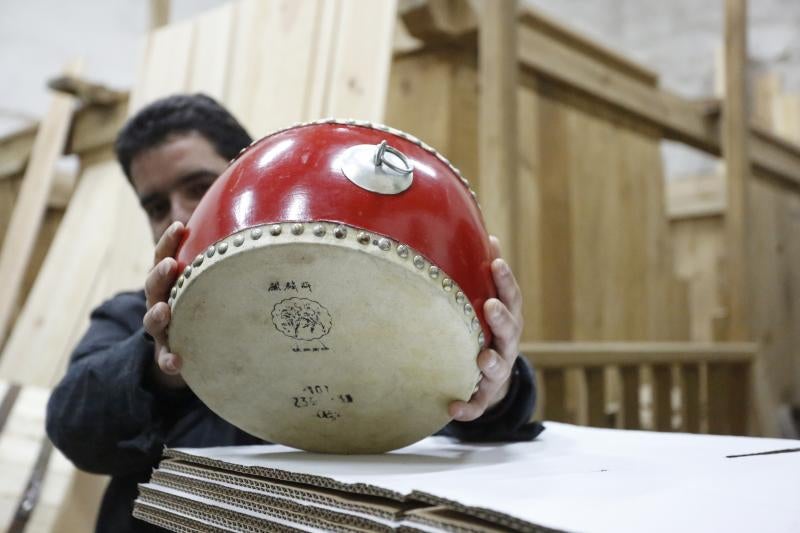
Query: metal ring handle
380, 158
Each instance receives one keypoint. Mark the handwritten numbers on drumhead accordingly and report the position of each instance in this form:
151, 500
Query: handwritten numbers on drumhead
327, 403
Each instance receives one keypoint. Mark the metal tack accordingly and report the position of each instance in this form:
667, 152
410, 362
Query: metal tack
173, 292
211, 251
402, 251
198, 260
340, 232
238, 240
447, 284
363, 237
275, 230
255, 233
460, 298
481, 338
319, 230
297, 229
433, 271
468, 309
188, 271
384, 244
222, 247
180, 281
475, 322
419, 262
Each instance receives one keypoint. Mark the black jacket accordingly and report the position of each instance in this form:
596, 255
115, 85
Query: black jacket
108, 418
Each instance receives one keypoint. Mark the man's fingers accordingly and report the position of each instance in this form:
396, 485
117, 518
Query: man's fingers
507, 287
467, 411
169, 363
169, 368
496, 371
167, 245
494, 367
494, 243
156, 320
159, 281
505, 327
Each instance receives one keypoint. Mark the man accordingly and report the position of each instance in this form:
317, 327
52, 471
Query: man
123, 399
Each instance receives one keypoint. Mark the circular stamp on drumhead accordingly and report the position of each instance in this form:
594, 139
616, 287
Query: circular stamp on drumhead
302, 319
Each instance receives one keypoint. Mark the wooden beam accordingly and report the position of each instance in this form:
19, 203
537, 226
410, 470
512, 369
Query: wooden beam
679, 119
159, 13
737, 169
548, 50
497, 111
578, 354
31, 203
15, 150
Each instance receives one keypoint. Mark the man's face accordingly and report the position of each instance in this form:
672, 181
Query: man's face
172, 177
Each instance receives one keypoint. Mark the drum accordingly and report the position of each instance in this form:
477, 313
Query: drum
331, 289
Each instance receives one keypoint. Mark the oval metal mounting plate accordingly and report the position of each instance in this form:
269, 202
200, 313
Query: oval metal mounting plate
358, 166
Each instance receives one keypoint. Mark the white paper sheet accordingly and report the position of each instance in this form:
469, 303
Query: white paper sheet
580, 479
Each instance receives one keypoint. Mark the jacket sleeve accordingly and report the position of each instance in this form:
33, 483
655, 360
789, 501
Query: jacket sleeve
104, 415
510, 419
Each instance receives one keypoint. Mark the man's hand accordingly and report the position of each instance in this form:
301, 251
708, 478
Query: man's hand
504, 316
167, 366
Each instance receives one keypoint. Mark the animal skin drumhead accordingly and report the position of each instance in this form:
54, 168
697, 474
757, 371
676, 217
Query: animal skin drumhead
313, 336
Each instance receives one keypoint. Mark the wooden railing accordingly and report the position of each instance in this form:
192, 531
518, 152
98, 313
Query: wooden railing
697, 388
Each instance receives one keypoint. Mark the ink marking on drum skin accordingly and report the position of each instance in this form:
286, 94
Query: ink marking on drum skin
291, 285
301, 319
322, 396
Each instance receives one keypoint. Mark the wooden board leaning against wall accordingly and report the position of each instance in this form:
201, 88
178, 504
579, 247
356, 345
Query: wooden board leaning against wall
593, 255
697, 209
594, 260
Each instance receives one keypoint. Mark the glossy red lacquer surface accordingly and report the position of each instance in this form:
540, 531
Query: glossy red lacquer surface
295, 176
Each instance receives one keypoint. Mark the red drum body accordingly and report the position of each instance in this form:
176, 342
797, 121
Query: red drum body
332, 287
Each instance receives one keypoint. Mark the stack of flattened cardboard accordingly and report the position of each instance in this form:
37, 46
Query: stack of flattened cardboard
570, 479
234, 489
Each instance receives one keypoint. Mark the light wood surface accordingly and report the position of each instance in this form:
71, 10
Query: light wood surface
30, 205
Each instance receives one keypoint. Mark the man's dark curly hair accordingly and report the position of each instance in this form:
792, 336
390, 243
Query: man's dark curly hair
180, 113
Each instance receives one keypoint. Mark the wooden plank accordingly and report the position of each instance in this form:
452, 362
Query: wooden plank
285, 65
737, 169
631, 383
677, 118
360, 77
66, 499
211, 51
15, 150
58, 304
555, 238
159, 13
320, 70
565, 354
662, 397
529, 213
497, 108
165, 65
32, 200
596, 396
719, 407
690, 398
740, 398
554, 382
696, 196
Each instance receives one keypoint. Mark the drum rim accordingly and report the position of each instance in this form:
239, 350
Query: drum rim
268, 234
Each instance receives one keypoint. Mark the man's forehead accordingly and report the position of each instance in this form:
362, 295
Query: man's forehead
161, 167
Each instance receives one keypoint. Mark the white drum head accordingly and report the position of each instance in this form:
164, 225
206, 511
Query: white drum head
323, 340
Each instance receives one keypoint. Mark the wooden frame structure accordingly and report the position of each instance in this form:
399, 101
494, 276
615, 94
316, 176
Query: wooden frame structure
477, 130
